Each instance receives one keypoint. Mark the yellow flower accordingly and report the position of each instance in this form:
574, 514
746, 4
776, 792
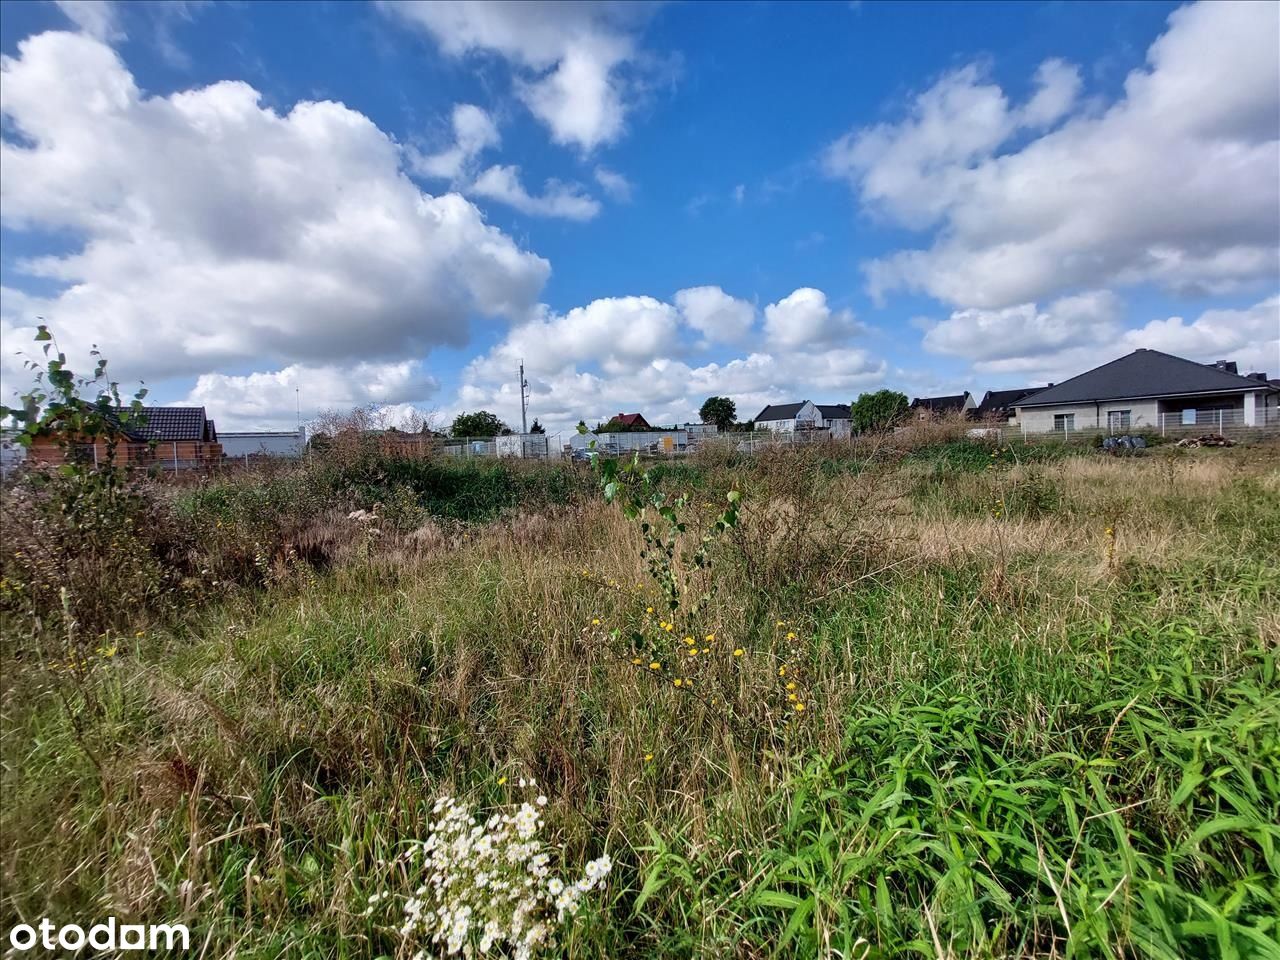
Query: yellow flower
655, 665
501, 781
799, 708
791, 636
705, 650
711, 638
780, 623
791, 685
782, 671
635, 660
669, 627
595, 622
739, 652
693, 651
677, 681
648, 610
648, 757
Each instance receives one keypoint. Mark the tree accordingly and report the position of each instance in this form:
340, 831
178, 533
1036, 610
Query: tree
537, 427
878, 411
482, 423
719, 410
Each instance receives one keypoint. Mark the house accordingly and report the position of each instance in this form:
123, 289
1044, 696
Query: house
805, 416
1153, 390
922, 408
172, 437
997, 406
626, 422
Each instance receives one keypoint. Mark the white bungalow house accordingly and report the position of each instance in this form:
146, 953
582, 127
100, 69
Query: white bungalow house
805, 416
1152, 390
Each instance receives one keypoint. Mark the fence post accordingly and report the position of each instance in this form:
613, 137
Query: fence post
175, 458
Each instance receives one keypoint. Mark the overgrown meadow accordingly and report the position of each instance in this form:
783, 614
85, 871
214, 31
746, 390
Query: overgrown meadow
920, 697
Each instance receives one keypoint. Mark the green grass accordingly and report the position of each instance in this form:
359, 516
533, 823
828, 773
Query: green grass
1026, 747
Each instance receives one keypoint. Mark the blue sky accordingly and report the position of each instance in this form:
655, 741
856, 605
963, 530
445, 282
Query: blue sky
394, 203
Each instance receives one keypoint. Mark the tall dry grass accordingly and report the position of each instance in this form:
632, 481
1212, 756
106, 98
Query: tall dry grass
977, 658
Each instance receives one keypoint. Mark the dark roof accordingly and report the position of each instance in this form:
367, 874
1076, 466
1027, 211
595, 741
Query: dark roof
1143, 373
834, 411
941, 404
999, 401
780, 411
170, 423
630, 420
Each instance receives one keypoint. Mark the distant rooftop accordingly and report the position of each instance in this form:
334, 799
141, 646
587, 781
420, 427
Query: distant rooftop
1143, 373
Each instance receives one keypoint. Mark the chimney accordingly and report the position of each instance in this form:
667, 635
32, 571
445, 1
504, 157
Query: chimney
1256, 376
1226, 366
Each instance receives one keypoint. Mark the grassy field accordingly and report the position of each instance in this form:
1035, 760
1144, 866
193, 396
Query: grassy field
952, 702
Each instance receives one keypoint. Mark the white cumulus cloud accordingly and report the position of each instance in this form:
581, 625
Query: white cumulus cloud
1174, 183
628, 354
1075, 333
210, 230
805, 319
569, 55
100, 19
267, 400
719, 317
558, 199
473, 132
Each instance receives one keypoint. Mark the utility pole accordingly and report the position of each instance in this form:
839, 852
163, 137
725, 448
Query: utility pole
524, 401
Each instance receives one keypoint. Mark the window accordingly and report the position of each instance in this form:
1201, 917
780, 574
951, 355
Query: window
1189, 418
1118, 419
1065, 422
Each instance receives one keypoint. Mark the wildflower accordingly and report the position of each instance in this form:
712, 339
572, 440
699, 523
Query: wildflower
655, 665
799, 708
648, 609
669, 627
791, 684
648, 757
738, 652
693, 651
636, 660
501, 781
791, 696
791, 636
711, 638
782, 671
677, 681
595, 622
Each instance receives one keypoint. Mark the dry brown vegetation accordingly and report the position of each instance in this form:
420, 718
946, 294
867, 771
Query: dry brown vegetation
1006, 708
